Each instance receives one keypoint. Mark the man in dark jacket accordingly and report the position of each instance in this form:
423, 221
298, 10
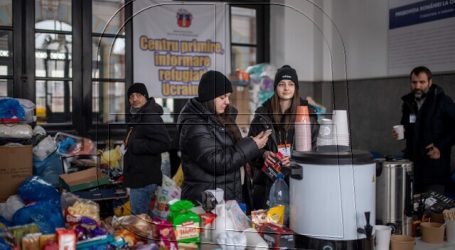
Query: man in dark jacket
428, 116
147, 138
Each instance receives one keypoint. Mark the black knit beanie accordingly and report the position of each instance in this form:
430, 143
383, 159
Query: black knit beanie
212, 85
138, 88
286, 73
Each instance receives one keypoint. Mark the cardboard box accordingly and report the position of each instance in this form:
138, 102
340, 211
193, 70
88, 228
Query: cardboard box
84, 179
15, 167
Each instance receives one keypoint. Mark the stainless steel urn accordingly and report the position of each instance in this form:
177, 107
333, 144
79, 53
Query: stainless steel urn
394, 192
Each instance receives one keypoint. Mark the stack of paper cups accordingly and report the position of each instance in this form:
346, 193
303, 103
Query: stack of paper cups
325, 136
341, 135
302, 135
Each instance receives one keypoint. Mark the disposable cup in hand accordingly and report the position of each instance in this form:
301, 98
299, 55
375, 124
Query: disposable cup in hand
400, 131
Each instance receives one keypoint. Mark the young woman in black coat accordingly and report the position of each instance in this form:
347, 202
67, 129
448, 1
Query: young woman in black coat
213, 151
278, 113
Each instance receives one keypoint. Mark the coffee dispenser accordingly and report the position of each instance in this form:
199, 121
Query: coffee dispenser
394, 192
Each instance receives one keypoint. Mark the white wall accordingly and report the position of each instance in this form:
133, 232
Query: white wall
304, 37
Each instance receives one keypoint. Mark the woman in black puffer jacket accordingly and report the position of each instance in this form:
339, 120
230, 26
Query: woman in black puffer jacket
278, 114
213, 151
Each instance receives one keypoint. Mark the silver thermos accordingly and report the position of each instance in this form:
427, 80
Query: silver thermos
394, 194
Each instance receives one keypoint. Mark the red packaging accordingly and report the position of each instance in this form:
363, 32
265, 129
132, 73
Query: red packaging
66, 239
272, 170
277, 237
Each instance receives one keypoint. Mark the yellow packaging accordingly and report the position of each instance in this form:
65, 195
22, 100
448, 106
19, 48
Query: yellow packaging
43, 239
276, 215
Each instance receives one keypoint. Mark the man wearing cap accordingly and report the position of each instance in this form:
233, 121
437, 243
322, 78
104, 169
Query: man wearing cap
428, 116
147, 138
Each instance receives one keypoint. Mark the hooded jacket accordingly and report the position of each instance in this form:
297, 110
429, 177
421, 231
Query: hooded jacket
148, 139
210, 157
433, 123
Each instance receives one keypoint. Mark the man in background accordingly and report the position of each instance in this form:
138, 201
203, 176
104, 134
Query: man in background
428, 117
147, 138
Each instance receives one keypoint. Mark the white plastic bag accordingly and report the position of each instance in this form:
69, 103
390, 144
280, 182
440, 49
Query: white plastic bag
9, 208
44, 148
167, 192
18, 131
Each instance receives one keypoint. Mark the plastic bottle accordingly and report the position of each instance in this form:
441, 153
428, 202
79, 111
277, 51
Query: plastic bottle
279, 195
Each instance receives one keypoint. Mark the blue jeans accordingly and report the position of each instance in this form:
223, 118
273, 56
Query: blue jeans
140, 199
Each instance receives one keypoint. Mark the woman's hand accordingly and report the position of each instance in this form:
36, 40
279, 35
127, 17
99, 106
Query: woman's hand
262, 138
269, 158
286, 161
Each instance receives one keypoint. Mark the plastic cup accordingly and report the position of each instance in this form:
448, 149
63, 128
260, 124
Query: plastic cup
383, 234
400, 131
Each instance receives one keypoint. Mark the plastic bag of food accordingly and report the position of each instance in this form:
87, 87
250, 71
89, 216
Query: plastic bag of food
167, 192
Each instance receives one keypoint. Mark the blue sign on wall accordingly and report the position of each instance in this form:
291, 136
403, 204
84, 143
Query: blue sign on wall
421, 12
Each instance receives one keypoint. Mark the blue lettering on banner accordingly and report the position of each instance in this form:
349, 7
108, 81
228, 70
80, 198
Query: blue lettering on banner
421, 12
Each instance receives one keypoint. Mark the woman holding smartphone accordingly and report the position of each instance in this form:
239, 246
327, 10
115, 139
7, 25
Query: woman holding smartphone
278, 114
213, 151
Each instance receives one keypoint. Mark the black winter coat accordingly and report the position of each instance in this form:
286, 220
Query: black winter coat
148, 139
434, 123
210, 158
263, 120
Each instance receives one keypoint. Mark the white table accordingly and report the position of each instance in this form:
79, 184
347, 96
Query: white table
421, 245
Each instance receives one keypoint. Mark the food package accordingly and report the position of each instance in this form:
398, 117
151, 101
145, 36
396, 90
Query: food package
19, 232
239, 220
207, 227
140, 225
46, 239
186, 222
167, 192
111, 158
258, 217
277, 237
166, 235
276, 214
82, 208
66, 239
31, 241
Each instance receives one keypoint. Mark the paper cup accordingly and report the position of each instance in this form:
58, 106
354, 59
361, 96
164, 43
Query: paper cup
432, 232
400, 131
402, 242
340, 119
382, 237
450, 230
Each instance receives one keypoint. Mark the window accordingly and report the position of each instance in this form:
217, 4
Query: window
108, 61
243, 37
6, 52
53, 63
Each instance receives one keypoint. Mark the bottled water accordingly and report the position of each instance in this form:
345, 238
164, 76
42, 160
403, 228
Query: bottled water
279, 195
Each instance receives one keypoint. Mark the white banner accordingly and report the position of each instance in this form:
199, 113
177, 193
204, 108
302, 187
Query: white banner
175, 43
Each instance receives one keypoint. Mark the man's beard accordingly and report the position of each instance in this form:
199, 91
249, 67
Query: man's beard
421, 94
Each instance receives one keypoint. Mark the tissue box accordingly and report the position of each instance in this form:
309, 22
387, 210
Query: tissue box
277, 237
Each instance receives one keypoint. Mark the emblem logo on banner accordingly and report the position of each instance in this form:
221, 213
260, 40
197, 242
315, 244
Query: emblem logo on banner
184, 18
